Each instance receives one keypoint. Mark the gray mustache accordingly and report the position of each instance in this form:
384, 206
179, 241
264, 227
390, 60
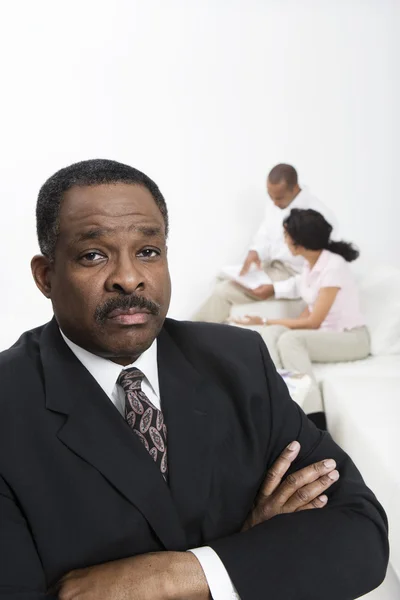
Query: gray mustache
125, 303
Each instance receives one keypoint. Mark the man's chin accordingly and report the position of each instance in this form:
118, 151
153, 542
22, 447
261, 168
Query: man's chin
127, 340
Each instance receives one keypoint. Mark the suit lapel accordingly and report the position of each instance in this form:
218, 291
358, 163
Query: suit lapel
187, 403
95, 431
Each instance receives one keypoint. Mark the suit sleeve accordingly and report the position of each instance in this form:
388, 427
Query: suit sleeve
21, 573
336, 553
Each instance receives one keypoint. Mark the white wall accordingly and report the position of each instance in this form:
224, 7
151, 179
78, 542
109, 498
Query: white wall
205, 97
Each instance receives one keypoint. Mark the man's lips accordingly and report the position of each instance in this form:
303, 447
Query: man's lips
130, 316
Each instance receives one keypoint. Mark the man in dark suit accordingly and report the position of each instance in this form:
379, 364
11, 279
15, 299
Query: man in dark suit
127, 438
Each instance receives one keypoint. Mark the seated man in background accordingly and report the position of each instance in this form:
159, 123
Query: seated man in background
268, 250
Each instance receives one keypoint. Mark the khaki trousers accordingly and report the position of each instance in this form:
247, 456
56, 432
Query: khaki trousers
296, 349
217, 308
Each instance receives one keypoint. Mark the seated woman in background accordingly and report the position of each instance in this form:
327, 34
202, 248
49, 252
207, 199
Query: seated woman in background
331, 328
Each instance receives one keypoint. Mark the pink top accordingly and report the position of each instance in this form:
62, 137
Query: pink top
331, 270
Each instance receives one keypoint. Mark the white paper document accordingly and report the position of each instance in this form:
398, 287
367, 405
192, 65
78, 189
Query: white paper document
252, 280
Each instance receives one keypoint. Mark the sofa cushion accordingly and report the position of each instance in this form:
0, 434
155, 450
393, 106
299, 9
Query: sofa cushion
363, 415
373, 366
380, 304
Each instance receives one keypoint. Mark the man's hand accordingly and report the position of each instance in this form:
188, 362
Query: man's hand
302, 490
263, 292
154, 576
252, 258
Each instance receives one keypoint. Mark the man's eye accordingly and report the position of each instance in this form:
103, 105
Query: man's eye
92, 256
149, 253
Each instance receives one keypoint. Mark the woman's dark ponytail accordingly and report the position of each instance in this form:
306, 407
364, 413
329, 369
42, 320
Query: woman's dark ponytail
344, 249
310, 229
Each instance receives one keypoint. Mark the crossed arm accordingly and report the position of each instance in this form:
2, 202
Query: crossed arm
178, 575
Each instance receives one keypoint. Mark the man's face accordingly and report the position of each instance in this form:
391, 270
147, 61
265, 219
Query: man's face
281, 194
109, 283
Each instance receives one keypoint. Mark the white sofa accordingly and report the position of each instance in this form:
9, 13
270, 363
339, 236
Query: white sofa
362, 398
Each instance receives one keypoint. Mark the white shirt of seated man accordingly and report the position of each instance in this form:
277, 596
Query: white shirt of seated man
284, 195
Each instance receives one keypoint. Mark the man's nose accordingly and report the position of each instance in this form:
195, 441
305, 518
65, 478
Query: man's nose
125, 276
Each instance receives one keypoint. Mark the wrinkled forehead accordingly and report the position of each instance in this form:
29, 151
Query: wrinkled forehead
109, 205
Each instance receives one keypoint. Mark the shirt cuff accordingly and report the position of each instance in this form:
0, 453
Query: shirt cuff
286, 289
219, 582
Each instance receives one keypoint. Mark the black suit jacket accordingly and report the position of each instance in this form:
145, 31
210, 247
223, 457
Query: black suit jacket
77, 488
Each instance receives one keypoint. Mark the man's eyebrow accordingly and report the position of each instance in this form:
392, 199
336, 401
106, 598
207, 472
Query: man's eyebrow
147, 230
91, 234
99, 232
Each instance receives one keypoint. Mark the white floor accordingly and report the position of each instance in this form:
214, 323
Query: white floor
389, 590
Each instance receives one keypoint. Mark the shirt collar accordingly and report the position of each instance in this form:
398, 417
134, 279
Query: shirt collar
297, 199
294, 203
321, 262
106, 372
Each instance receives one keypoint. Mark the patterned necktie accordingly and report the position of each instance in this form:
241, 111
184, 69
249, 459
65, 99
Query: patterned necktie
144, 418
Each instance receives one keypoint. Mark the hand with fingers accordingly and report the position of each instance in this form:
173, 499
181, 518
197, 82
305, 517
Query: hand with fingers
251, 258
302, 490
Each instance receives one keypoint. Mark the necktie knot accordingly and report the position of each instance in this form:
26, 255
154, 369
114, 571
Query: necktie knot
130, 379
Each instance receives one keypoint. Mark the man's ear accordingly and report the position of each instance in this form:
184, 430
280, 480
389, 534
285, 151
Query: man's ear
41, 268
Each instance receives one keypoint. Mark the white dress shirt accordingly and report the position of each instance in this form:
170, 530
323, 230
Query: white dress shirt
106, 373
269, 241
